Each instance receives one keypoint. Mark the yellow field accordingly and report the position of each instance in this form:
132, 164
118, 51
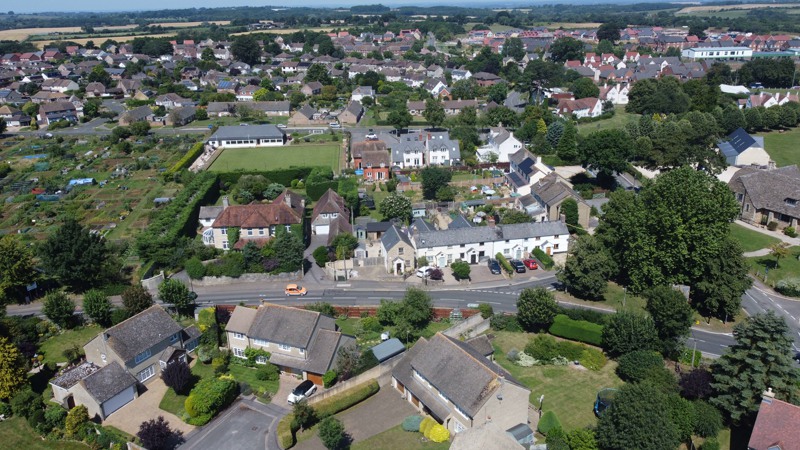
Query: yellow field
190, 24
694, 9
285, 30
97, 40
23, 33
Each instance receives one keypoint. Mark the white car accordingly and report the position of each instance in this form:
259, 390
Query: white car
424, 272
371, 136
280, 125
302, 391
334, 125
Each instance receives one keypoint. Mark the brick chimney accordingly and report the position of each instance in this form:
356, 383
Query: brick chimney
490, 221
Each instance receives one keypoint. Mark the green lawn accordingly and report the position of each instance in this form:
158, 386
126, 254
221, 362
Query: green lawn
615, 298
16, 433
789, 267
247, 375
348, 326
172, 402
569, 392
750, 240
395, 438
54, 347
618, 121
782, 147
269, 158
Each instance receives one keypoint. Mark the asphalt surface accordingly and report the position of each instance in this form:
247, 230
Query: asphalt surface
246, 425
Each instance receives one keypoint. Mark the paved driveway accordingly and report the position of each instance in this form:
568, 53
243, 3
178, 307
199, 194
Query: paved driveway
246, 425
145, 407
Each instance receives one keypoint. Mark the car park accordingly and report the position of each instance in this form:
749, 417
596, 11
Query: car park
302, 392
494, 267
295, 290
530, 264
517, 265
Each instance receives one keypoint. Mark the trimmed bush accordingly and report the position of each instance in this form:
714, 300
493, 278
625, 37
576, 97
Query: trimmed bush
772, 226
584, 314
504, 263
438, 433
542, 347
547, 261
789, 286
195, 268
329, 378
267, 372
790, 231
188, 159
208, 397
411, 423
426, 424
321, 255
635, 366
505, 322
346, 399
592, 359
548, 422
708, 420
577, 330
286, 435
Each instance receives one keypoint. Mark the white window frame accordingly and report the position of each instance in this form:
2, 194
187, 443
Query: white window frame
261, 342
143, 356
285, 348
146, 373
240, 336
238, 352
261, 359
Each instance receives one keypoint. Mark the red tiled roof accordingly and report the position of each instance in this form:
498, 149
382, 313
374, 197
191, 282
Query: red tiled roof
257, 216
777, 424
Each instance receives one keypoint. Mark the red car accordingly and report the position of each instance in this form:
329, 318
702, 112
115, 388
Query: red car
530, 264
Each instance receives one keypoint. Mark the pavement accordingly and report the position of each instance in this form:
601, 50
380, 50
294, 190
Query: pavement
246, 425
145, 407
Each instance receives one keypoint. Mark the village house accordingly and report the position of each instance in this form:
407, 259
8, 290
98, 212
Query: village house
171, 101
58, 111
361, 92
352, 114
546, 197
372, 157
300, 342
140, 114
330, 216
768, 195
581, 108
525, 170
397, 250
458, 386
501, 145
776, 424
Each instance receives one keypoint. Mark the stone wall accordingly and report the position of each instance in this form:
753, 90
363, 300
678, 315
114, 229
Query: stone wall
469, 328
249, 278
382, 373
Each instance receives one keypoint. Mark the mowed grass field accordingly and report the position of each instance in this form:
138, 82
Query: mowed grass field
269, 158
618, 121
783, 148
751, 240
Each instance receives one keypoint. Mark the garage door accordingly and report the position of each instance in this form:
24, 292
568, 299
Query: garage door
118, 401
322, 229
316, 379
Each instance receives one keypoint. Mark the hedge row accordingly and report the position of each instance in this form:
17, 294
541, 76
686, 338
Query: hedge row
504, 263
188, 158
316, 190
210, 396
543, 258
282, 176
577, 330
176, 220
326, 408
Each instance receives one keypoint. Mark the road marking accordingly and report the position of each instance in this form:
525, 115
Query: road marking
342, 285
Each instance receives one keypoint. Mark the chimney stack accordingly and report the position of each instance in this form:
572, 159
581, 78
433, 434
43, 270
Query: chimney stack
287, 199
490, 221
768, 395
225, 202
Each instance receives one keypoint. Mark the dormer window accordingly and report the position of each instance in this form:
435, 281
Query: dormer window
790, 202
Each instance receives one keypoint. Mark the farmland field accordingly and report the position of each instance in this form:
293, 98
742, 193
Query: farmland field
746, 6
20, 34
284, 30
269, 158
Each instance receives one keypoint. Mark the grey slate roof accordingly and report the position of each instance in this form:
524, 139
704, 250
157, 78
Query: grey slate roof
378, 227
482, 345
141, 332
459, 222
321, 355
247, 132
458, 236
394, 236
387, 349
108, 382
210, 212
286, 325
770, 189
738, 142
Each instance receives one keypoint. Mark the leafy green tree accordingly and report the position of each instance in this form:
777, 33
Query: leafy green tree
317, 72
536, 308
16, 269
779, 250
663, 95
754, 118
245, 48
434, 112
567, 149
156, 434
640, 419
97, 306
288, 248
416, 310
497, 93
627, 331
399, 119
75, 256
136, 299
99, 75
13, 373
609, 31
396, 206
304, 415
3, 126
584, 87
587, 269
58, 308
76, 422
514, 48
582, 439
502, 116
607, 150
511, 216
174, 292
332, 434
671, 314
208, 55
760, 359
433, 179
140, 128
461, 270
565, 49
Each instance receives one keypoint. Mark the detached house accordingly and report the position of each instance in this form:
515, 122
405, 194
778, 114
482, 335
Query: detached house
768, 195
501, 144
581, 108
742, 149
352, 114
459, 387
525, 170
300, 342
547, 195
331, 216
373, 158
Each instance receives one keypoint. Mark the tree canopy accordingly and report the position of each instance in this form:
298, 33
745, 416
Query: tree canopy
433, 179
16, 269
587, 269
536, 308
75, 256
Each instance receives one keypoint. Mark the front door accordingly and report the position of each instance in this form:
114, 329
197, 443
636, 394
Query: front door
473, 259
398, 268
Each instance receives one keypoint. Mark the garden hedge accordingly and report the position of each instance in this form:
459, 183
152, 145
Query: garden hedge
543, 258
208, 397
548, 421
188, 158
282, 176
316, 190
504, 263
577, 330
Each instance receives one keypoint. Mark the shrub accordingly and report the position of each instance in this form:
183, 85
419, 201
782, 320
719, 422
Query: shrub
286, 432
577, 330
5, 409
790, 231
438, 433
329, 378
772, 226
544, 258
486, 310
542, 347
592, 359
25, 402
36, 420
220, 363
267, 372
412, 423
505, 322
321, 255
461, 270
512, 355
76, 422
504, 263
177, 376
426, 424
570, 350
436, 274
210, 396
696, 384
708, 420
584, 314
195, 268
634, 366
789, 286
371, 324
245, 389
710, 444
156, 434
322, 308
346, 399
525, 360
205, 354
548, 422
331, 432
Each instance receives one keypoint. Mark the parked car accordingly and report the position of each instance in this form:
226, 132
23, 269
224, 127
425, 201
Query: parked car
295, 290
494, 267
334, 125
530, 264
280, 125
517, 265
424, 272
302, 391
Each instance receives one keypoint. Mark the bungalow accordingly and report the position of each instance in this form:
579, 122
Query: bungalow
271, 108
458, 386
139, 114
742, 149
172, 100
55, 112
768, 195
179, 117
247, 136
307, 115
486, 79
300, 342
59, 85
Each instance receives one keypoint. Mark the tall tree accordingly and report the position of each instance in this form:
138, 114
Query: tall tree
627, 332
75, 256
433, 179
608, 31
97, 306
399, 118
16, 269
245, 48
13, 374
58, 308
514, 48
536, 308
640, 419
671, 314
156, 434
584, 87
567, 149
607, 150
717, 291
760, 359
565, 49
288, 248
174, 292
317, 72
396, 206
434, 112
136, 299
417, 308
587, 269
